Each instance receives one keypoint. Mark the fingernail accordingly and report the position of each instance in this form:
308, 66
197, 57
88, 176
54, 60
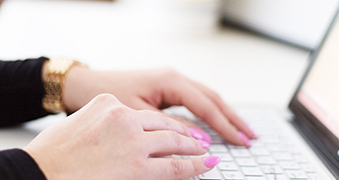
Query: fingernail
254, 136
204, 144
211, 161
200, 135
195, 133
244, 138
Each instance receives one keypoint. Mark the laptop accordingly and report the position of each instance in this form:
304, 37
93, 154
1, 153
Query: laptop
303, 145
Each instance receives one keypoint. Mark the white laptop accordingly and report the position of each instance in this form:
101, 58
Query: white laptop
305, 145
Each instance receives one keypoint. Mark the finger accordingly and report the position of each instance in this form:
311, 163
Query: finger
195, 130
152, 120
227, 111
163, 143
140, 104
172, 168
203, 107
184, 121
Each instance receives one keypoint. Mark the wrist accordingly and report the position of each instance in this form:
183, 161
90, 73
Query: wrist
42, 160
77, 88
54, 75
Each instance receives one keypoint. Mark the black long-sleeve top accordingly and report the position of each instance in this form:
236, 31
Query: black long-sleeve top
21, 93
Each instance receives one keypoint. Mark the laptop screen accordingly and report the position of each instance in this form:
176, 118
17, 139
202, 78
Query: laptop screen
320, 91
316, 102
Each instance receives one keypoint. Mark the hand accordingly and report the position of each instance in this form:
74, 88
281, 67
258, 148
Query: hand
107, 140
154, 90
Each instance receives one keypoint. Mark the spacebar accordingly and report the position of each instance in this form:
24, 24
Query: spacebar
212, 174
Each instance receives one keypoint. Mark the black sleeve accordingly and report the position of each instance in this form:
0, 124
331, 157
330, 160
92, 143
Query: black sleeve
16, 164
21, 91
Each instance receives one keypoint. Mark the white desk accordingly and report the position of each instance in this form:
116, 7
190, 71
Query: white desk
130, 34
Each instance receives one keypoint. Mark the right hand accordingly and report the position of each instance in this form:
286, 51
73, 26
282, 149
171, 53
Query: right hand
107, 140
156, 89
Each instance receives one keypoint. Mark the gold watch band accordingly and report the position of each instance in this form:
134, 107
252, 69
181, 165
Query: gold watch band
54, 83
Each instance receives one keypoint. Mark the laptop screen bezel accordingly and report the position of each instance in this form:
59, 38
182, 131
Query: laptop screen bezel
326, 143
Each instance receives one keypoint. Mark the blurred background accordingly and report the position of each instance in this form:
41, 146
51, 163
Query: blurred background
248, 51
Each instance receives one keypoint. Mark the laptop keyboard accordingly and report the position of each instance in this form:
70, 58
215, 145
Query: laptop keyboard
271, 157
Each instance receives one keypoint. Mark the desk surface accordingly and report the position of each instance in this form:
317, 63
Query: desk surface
130, 34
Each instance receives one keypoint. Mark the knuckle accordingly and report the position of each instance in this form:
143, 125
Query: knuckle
196, 169
171, 73
154, 113
215, 95
159, 114
164, 120
184, 128
175, 138
165, 123
161, 118
177, 167
105, 97
119, 110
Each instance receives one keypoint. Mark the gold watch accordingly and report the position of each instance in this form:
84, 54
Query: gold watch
54, 83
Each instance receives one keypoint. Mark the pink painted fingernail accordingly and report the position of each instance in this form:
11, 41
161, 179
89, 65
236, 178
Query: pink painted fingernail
211, 161
200, 135
195, 133
204, 144
254, 136
244, 138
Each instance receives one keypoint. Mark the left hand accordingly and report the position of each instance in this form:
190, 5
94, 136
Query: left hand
155, 90
107, 140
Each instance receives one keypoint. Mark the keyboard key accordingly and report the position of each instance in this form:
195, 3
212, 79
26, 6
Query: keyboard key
251, 171
234, 175
292, 149
223, 156
230, 146
277, 177
217, 140
218, 148
227, 166
266, 160
210, 131
245, 162
271, 169
300, 158
313, 176
256, 143
284, 138
240, 153
282, 156
270, 139
276, 147
255, 178
202, 124
212, 174
307, 167
296, 174
259, 151
289, 165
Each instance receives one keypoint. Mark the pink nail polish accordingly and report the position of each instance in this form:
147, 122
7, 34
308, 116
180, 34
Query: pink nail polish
211, 161
200, 135
254, 136
204, 144
195, 133
244, 138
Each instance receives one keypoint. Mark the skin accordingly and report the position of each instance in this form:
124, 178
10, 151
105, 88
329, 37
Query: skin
122, 127
155, 89
105, 138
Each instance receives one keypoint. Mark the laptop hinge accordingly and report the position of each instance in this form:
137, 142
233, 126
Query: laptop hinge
319, 144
